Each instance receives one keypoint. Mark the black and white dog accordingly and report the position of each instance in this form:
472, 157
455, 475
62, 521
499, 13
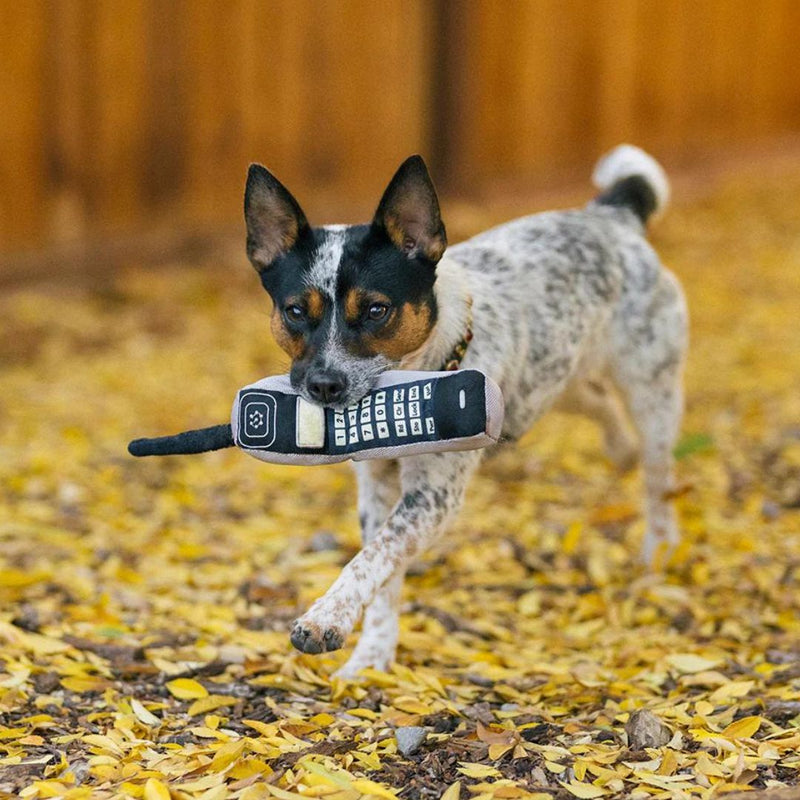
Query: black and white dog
568, 309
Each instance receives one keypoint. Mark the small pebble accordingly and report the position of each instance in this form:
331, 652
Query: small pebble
645, 729
409, 738
770, 510
80, 771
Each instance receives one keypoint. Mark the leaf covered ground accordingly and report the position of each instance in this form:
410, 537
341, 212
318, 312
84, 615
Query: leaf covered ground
146, 603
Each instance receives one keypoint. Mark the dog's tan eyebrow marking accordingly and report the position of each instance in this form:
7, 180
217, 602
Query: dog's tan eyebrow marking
315, 304
405, 333
353, 302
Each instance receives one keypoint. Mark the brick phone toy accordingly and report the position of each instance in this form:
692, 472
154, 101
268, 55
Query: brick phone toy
405, 414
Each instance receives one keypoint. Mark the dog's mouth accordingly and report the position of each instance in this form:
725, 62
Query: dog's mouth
351, 397
342, 387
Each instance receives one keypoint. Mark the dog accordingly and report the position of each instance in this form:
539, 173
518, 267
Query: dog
569, 309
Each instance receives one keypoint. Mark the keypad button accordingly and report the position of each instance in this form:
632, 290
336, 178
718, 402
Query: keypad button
413, 392
416, 427
383, 430
400, 427
399, 395
399, 411
380, 397
366, 415
427, 389
341, 438
429, 426
367, 401
338, 420
352, 416
380, 412
413, 409
353, 435
366, 433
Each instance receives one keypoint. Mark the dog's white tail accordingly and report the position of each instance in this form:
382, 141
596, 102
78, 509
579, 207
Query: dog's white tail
629, 177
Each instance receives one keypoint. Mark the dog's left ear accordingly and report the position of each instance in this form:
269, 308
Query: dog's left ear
274, 218
409, 212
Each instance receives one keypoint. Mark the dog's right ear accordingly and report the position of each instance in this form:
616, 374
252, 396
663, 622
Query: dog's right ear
274, 218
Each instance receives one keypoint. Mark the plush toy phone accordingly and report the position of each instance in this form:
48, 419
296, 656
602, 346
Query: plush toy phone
405, 414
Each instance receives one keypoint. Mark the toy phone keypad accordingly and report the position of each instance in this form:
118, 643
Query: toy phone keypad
388, 417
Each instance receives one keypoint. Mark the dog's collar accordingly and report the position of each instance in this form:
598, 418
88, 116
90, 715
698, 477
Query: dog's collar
456, 355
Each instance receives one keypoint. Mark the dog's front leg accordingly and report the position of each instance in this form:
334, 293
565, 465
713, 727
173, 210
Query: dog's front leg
432, 490
378, 491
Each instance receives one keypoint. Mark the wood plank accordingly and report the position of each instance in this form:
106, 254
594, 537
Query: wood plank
215, 158
68, 132
164, 115
116, 109
23, 212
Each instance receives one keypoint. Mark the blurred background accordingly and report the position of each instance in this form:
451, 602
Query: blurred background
126, 127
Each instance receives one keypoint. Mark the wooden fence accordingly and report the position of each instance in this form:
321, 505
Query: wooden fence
124, 115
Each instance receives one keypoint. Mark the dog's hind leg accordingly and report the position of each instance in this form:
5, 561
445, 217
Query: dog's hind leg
597, 398
651, 347
378, 491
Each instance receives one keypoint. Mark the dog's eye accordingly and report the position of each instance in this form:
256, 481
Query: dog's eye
294, 313
377, 312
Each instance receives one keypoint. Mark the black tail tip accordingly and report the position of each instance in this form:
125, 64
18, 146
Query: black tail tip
633, 192
139, 447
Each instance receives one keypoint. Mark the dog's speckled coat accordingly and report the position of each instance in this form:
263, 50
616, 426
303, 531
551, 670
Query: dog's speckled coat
568, 307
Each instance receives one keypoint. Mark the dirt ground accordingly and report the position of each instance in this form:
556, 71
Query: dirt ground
146, 603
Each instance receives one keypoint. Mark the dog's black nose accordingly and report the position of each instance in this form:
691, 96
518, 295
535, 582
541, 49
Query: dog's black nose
326, 387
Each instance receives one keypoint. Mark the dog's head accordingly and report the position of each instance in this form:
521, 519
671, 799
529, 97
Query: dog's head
349, 301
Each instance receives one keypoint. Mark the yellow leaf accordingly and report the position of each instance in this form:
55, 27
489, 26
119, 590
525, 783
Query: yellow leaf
264, 728
282, 794
334, 778
226, 755
210, 703
703, 708
411, 705
143, 715
499, 750
85, 683
472, 770
583, 790
734, 689
453, 791
572, 537
669, 763
689, 663
743, 728
370, 787
186, 689
155, 790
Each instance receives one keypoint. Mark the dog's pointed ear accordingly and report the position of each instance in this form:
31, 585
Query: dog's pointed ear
274, 218
409, 212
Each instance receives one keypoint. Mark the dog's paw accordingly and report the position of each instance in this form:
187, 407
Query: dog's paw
309, 637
